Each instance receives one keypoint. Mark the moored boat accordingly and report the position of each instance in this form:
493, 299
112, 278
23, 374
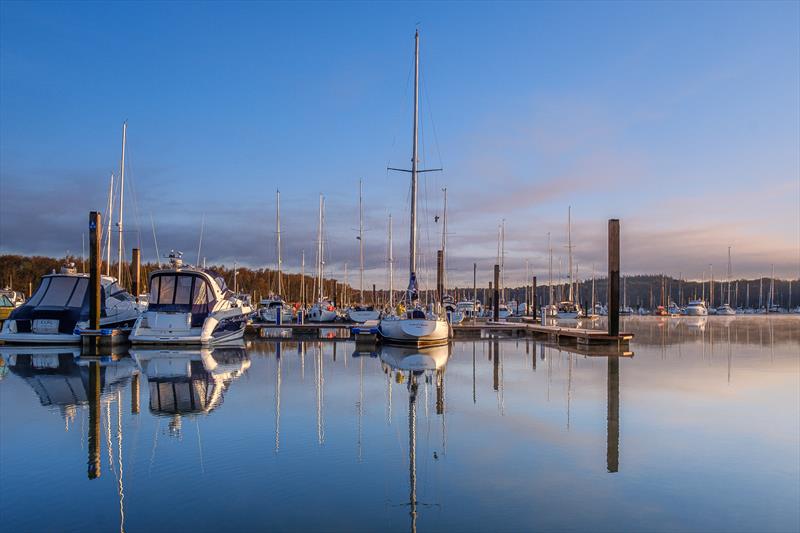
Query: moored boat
59, 308
189, 305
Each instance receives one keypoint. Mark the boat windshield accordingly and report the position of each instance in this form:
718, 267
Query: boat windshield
5, 302
60, 291
187, 293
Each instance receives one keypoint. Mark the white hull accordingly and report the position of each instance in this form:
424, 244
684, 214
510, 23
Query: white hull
726, 310
10, 337
269, 315
564, 315
696, 311
418, 331
362, 316
317, 314
172, 328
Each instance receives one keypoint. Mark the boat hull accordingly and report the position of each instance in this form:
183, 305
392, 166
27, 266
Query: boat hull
362, 316
415, 331
213, 331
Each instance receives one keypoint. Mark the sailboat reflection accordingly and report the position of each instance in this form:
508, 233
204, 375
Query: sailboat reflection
189, 381
62, 379
409, 364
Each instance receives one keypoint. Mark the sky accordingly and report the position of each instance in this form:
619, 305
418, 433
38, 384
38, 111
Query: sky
680, 119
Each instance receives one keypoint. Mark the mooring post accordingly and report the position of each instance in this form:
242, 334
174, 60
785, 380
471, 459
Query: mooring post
496, 312
491, 295
137, 267
374, 296
94, 270
94, 415
135, 393
533, 298
613, 277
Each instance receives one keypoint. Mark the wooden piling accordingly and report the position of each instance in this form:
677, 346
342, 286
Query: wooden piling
496, 298
613, 276
94, 270
94, 414
135, 275
532, 307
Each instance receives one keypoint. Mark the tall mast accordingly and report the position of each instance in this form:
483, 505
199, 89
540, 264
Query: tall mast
319, 253
391, 265
121, 202
361, 242
550, 272
278, 237
569, 250
729, 275
772, 288
444, 241
412, 260
503, 259
109, 214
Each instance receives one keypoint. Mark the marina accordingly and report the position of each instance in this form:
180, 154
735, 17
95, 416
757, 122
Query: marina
408, 266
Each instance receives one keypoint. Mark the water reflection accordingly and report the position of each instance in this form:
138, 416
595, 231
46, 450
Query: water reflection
409, 365
523, 418
190, 381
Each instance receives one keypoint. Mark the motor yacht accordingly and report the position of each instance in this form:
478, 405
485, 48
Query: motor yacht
59, 308
189, 305
273, 309
696, 308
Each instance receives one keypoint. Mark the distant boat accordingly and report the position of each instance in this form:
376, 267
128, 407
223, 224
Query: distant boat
362, 312
190, 305
726, 310
568, 311
417, 325
273, 309
322, 310
696, 308
59, 307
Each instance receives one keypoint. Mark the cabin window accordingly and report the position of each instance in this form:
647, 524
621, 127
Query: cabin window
183, 290
200, 295
40, 291
166, 289
59, 292
79, 293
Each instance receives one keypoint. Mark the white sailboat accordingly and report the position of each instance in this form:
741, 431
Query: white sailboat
322, 310
726, 309
415, 326
451, 310
569, 309
273, 308
362, 312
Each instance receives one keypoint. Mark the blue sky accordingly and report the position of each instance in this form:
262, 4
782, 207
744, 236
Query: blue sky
682, 119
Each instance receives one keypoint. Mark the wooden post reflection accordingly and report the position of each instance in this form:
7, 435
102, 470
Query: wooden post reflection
94, 420
495, 345
135, 394
612, 439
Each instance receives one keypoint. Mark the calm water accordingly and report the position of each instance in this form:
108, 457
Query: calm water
699, 431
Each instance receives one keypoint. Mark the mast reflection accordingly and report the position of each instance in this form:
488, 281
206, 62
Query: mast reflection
408, 364
61, 378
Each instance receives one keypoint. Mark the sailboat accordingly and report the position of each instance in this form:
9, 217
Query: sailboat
273, 308
452, 312
362, 312
726, 309
416, 326
569, 309
322, 310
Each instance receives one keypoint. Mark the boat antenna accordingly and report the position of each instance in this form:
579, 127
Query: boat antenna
121, 202
155, 240
200, 244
